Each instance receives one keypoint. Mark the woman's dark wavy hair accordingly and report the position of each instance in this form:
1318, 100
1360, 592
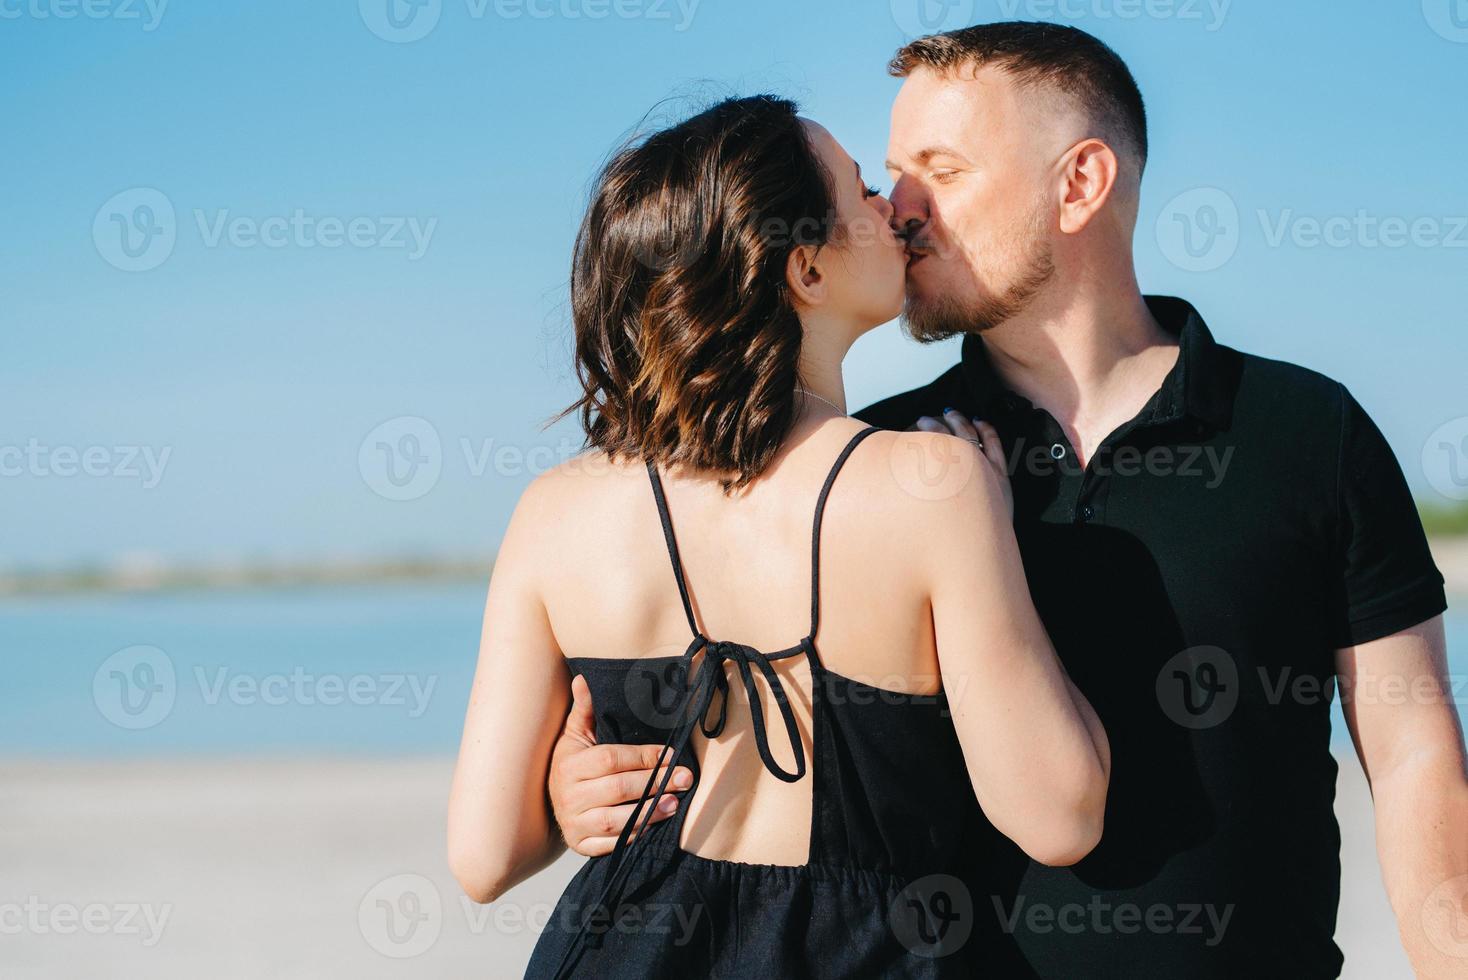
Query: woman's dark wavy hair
687, 342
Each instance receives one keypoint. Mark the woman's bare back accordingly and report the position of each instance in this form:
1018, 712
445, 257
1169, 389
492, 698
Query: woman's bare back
747, 562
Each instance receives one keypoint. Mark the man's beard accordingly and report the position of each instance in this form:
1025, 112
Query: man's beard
930, 320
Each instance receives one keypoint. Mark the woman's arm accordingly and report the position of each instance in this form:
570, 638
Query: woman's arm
1036, 751
500, 830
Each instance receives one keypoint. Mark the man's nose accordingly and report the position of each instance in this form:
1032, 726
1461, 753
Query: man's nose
909, 205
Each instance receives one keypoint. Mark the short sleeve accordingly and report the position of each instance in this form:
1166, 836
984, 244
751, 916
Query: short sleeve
1390, 582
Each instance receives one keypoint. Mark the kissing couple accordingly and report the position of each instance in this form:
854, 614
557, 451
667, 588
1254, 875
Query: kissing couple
980, 680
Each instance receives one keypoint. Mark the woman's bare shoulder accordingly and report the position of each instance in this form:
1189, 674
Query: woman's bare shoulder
567, 510
581, 485
912, 476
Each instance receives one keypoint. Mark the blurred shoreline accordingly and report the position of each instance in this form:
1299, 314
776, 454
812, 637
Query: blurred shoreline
149, 576
159, 577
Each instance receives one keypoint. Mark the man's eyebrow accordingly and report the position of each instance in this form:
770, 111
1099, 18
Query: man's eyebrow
927, 153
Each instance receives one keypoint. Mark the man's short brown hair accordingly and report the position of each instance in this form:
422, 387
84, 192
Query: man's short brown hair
1067, 59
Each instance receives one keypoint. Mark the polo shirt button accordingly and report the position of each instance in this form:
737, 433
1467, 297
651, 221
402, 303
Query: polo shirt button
1088, 513
1057, 451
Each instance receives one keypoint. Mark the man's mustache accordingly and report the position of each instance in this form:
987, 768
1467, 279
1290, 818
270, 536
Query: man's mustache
920, 239
922, 242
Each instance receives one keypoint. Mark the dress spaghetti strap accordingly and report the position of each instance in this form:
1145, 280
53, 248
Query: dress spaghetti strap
815, 538
672, 541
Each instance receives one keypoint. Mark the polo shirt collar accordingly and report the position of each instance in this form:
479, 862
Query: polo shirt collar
1197, 387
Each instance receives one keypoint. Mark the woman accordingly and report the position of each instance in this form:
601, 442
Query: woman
723, 270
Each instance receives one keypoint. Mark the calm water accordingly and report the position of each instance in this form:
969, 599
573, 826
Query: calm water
369, 670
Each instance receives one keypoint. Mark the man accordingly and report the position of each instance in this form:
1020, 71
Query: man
1214, 541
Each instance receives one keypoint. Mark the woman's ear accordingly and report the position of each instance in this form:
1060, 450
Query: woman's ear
803, 276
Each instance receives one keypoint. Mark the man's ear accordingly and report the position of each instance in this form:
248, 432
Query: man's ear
1088, 179
804, 277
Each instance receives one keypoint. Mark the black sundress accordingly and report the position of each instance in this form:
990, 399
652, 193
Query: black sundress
893, 821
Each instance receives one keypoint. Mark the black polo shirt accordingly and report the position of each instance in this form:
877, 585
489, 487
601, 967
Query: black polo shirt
1197, 577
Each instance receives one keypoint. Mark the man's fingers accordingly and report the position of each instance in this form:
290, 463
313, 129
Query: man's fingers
620, 787
593, 847
596, 761
581, 722
595, 832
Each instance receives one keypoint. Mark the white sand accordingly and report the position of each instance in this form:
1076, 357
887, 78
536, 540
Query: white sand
290, 868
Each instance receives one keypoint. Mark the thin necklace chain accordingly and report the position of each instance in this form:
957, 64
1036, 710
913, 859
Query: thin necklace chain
810, 394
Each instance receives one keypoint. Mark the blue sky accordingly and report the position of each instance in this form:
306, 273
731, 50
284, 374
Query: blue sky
367, 229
